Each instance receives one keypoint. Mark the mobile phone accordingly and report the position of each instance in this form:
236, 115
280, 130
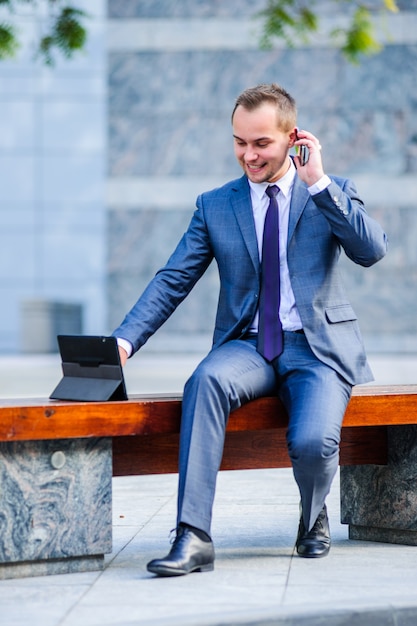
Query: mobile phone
302, 152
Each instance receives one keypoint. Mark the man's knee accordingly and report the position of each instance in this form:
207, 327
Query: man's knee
314, 450
205, 376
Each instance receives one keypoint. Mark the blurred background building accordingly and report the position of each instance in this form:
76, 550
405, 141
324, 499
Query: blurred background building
53, 160
102, 157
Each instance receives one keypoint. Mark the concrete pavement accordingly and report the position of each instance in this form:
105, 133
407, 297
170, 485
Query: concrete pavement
257, 578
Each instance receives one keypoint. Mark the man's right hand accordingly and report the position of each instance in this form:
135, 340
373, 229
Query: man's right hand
312, 171
123, 356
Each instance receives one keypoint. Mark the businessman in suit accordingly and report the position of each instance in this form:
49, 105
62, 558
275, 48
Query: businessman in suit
292, 333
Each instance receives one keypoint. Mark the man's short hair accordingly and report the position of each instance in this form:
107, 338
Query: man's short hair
252, 98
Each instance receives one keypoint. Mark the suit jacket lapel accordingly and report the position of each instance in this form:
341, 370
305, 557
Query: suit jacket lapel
299, 198
242, 206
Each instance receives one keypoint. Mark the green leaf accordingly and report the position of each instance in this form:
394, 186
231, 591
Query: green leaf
296, 20
45, 46
391, 5
68, 32
360, 37
8, 42
67, 35
286, 19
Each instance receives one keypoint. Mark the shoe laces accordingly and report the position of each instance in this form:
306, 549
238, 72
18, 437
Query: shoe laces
318, 524
175, 533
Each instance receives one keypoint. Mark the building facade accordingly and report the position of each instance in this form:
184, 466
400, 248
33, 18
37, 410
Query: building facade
104, 156
53, 159
175, 69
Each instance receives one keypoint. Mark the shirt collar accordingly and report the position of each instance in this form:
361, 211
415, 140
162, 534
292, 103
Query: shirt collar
285, 183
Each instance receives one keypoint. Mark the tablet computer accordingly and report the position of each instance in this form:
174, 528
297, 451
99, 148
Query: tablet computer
91, 369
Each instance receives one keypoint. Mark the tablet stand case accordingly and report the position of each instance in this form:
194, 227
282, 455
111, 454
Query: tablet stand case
91, 369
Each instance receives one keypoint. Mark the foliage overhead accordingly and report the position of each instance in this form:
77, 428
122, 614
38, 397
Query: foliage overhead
292, 20
288, 20
61, 28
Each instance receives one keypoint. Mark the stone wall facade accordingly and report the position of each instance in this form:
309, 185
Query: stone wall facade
103, 157
175, 69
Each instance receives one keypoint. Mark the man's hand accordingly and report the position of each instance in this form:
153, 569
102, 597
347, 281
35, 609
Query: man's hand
123, 356
312, 171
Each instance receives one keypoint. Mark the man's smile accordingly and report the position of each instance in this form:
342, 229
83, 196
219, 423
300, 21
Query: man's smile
255, 168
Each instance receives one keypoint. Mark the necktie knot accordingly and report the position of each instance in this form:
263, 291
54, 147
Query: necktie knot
272, 191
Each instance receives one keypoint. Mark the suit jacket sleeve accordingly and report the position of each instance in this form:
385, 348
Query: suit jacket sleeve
170, 285
361, 237
332, 220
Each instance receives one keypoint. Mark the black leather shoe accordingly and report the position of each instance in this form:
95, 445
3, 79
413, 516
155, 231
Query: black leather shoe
188, 554
315, 543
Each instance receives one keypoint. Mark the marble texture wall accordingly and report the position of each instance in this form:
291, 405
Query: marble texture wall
175, 69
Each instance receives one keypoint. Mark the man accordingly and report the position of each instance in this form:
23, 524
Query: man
308, 349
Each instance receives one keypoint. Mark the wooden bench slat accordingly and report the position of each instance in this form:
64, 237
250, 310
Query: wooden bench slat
158, 454
145, 415
89, 419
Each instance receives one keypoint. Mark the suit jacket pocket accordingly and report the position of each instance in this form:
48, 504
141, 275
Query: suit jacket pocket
340, 313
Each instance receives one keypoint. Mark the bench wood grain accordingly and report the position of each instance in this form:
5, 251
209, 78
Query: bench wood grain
145, 428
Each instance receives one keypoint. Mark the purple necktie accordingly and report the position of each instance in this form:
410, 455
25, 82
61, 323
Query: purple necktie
270, 328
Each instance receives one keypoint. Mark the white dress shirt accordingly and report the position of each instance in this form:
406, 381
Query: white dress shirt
288, 312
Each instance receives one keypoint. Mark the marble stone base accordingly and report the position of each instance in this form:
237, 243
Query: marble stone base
380, 502
71, 565
55, 506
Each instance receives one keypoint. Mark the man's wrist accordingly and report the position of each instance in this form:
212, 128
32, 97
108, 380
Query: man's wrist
126, 345
320, 185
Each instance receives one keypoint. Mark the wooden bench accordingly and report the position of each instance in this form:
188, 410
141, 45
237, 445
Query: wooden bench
57, 460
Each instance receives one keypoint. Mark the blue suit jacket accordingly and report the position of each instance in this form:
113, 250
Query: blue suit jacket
222, 228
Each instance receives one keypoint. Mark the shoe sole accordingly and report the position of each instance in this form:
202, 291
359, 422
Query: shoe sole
168, 571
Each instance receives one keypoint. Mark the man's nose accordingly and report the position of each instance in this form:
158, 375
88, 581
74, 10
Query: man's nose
250, 154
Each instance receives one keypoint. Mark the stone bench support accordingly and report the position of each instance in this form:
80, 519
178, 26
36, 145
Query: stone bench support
55, 506
379, 502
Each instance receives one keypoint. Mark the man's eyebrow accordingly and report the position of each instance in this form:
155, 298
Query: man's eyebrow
258, 139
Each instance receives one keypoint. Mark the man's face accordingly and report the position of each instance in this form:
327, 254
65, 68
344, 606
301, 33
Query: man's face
260, 146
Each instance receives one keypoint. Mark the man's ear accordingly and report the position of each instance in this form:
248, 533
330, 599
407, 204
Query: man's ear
293, 136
